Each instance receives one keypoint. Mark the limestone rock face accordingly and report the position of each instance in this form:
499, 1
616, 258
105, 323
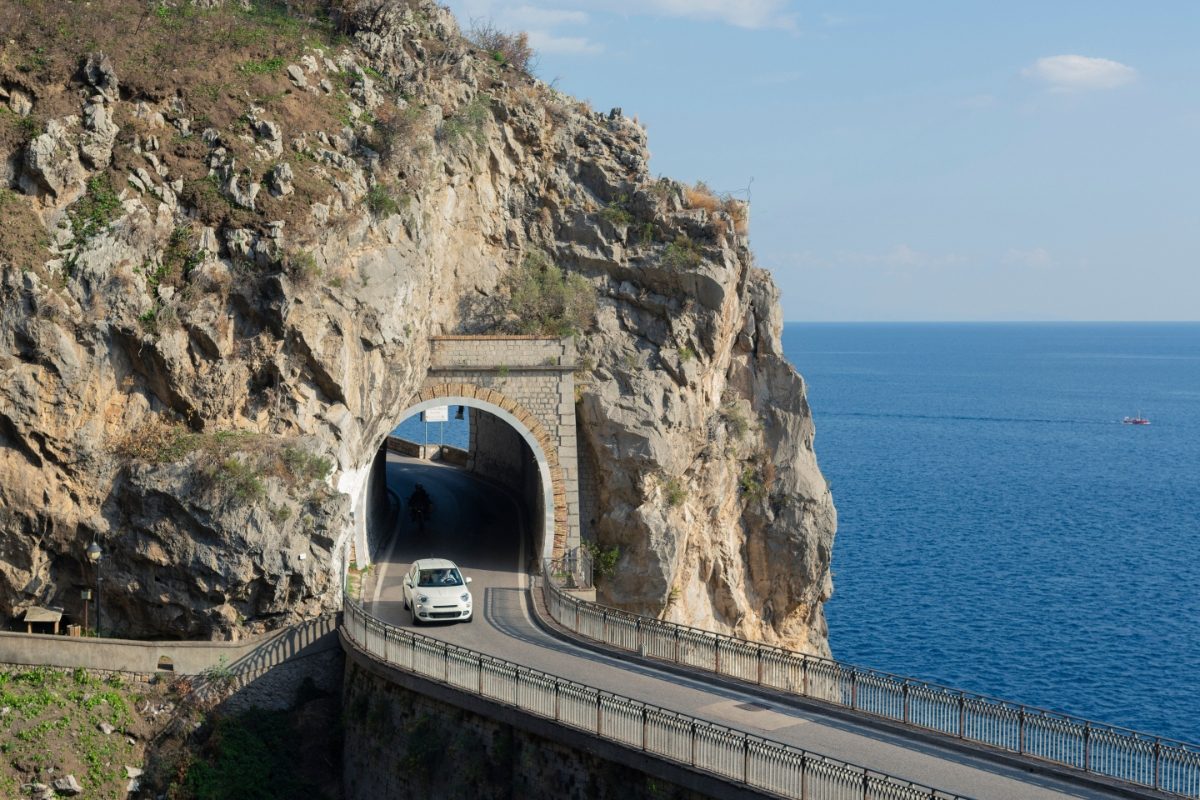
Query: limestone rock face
200, 374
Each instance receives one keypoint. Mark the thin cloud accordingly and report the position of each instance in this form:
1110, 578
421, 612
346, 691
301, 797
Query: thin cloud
1037, 258
542, 18
1071, 73
546, 42
752, 14
741, 14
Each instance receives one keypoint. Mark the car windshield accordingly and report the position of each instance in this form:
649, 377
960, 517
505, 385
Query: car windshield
440, 577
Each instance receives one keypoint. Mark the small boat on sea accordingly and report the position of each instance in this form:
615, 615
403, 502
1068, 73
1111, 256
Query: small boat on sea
1138, 420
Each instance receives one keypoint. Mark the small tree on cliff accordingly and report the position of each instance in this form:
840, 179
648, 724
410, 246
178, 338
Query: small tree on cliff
545, 301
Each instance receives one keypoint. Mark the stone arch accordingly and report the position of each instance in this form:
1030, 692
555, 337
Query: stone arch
535, 435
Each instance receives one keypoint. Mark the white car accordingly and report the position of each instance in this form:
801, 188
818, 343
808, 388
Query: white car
435, 590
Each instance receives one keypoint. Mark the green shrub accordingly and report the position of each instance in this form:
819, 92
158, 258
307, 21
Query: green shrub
751, 484
735, 419
239, 479
682, 253
93, 212
306, 466
249, 756
675, 492
604, 559
545, 301
381, 202
262, 67
504, 48
302, 267
468, 124
617, 212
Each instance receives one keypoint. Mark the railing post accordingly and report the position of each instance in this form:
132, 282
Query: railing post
804, 673
676, 645
1087, 747
746, 761
854, 689
641, 642
645, 726
693, 724
557, 712
962, 716
804, 777
1158, 763
904, 691
1021, 733
865, 785
717, 655
599, 703
604, 627
479, 667
758, 652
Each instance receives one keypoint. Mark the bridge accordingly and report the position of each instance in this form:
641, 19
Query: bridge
756, 718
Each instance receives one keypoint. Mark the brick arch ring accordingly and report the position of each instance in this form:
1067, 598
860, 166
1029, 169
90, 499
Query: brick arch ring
541, 444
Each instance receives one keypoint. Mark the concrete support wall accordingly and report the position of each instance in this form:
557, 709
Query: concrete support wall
408, 737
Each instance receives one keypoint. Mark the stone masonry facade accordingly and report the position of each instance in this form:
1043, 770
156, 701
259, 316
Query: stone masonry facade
531, 378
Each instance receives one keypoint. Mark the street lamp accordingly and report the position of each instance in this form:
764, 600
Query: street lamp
94, 555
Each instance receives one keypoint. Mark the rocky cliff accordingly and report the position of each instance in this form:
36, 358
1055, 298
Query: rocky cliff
228, 232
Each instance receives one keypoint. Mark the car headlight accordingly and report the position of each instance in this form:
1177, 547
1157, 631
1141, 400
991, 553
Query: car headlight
466, 598
422, 599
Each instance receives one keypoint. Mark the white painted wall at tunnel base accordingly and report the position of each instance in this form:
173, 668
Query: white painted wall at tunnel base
352, 482
543, 464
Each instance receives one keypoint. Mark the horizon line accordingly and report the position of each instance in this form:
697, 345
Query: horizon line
991, 322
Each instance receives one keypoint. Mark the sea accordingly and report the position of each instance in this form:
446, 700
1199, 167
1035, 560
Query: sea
999, 529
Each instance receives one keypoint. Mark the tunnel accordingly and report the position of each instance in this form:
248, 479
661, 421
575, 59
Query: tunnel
489, 480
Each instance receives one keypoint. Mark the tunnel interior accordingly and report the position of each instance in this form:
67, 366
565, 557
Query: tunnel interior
488, 488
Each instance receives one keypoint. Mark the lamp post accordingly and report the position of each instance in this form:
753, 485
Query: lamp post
94, 555
86, 594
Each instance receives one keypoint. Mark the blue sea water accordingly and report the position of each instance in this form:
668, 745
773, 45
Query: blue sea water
454, 432
1000, 530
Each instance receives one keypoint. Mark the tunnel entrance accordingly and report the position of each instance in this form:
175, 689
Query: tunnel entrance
486, 475
518, 433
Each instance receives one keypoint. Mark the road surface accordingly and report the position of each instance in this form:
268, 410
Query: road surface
477, 525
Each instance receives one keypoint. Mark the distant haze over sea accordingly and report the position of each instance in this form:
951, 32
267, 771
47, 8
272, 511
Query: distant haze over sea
1000, 529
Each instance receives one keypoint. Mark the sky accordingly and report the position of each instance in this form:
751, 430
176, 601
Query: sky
927, 160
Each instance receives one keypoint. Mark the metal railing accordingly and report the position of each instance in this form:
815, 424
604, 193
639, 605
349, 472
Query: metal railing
573, 569
735, 756
1105, 750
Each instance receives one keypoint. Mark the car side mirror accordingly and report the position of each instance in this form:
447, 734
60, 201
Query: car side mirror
468, 580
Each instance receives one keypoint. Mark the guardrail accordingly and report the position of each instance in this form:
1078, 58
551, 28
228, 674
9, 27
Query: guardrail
727, 753
1105, 750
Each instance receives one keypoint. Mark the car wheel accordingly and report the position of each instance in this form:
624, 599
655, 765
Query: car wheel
406, 604
412, 615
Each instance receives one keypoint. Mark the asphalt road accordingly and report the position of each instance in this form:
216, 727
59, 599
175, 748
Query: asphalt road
476, 525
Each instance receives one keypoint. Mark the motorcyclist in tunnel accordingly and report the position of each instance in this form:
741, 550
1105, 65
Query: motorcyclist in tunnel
419, 504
